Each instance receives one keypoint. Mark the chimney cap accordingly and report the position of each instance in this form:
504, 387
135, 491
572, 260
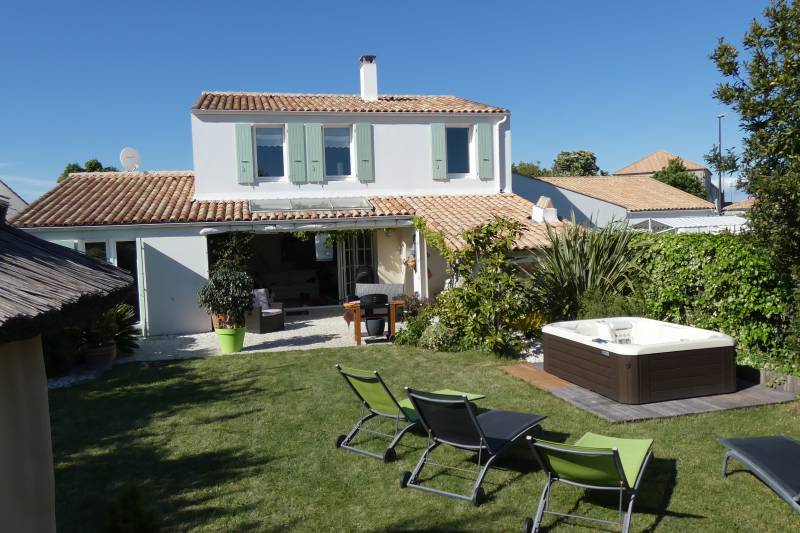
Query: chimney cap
367, 58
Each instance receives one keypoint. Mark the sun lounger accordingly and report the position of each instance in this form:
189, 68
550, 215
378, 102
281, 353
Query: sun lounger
594, 462
452, 420
774, 460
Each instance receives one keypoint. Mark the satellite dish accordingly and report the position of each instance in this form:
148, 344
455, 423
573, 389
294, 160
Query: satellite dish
130, 159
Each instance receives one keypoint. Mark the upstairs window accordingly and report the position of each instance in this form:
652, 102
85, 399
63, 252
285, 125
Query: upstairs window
96, 250
269, 152
337, 152
458, 150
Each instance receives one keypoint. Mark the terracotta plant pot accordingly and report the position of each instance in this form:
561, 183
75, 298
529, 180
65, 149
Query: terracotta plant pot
101, 357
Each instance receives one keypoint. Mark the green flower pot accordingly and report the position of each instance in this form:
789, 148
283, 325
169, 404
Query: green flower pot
231, 340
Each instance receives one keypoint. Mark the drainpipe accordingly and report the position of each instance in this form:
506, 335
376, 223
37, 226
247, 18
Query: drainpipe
507, 152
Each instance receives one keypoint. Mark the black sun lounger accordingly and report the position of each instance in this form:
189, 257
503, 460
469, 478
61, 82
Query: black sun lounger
774, 460
452, 420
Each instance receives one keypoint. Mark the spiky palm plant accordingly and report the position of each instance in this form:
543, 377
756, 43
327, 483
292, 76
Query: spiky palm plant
581, 259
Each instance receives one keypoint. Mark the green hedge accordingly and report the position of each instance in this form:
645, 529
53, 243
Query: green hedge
719, 282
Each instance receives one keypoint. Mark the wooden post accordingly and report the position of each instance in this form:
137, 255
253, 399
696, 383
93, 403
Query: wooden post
357, 328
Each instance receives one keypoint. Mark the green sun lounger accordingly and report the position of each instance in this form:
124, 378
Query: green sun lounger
593, 462
377, 401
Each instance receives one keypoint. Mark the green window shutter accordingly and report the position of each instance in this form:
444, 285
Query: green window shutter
244, 153
366, 169
314, 159
485, 151
439, 146
297, 153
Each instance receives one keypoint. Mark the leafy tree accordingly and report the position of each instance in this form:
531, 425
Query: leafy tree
92, 165
765, 89
576, 163
727, 163
676, 175
762, 84
531, 169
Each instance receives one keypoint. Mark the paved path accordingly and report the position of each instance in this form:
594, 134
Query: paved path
318, 329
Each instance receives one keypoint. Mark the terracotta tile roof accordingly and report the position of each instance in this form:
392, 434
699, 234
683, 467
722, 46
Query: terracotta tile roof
453, 215
654, 162
339, 103
122, 198
635, 193
742, 205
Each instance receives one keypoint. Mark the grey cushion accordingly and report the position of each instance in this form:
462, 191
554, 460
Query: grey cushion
392, 290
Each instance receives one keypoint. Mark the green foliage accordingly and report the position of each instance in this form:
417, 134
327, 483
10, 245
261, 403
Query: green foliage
676, 175
440, 338
762, 86
580, 259
576, 163
413, 328
723, 283
596, 304
128, 514
331, 237
726, 163
491, 297
531, 169
102, 331
61, 350
230, 251
92, 165
127, 333
228, 295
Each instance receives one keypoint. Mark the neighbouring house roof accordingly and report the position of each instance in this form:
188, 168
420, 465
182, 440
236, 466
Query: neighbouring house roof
123, 198
16, 202
338, 103
742, 205
47, 287
712, 224
634, 193
654, 162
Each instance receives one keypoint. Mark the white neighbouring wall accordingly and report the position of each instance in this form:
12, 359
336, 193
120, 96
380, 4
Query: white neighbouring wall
27, 487
402, 149
170, 297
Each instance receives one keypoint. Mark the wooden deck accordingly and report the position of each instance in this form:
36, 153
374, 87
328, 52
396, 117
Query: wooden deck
746, 395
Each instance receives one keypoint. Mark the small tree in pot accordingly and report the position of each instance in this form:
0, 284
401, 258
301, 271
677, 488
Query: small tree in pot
228, 297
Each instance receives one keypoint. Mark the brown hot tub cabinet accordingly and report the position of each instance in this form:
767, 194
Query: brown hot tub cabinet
642, 377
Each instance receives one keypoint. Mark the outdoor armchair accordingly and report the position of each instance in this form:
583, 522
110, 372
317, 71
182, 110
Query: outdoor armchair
594, 462
774, 460
453, 420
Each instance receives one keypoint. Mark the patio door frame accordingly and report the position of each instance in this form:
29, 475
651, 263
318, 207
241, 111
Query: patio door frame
350, 255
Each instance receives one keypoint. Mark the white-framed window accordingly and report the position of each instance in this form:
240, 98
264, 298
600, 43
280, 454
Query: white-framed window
97, 249
270, 150
337, 142
459, 151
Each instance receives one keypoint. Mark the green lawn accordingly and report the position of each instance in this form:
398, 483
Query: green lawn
246, 442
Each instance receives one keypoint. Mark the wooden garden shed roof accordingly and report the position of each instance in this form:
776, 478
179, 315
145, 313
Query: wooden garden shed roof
45, 286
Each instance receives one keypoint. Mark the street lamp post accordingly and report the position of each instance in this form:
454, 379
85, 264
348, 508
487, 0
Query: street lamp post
719, 163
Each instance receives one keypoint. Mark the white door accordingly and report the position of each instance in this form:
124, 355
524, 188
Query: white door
171, 271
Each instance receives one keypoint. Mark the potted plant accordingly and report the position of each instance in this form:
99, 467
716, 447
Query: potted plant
99, 342
228, 297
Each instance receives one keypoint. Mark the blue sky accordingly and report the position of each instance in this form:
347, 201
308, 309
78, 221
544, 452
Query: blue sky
83, 79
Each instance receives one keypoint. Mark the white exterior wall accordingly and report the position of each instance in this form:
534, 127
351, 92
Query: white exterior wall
402, 156
567, 202
392, 248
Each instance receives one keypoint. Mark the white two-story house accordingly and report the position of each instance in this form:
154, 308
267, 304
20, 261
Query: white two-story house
290, 169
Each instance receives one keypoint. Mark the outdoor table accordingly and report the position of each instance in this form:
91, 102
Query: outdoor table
355, 305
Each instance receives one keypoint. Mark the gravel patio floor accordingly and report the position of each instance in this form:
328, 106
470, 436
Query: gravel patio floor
318, 329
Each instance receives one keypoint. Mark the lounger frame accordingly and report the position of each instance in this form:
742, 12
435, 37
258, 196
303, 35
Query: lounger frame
775, 484
476, 495
544, 500
402, 424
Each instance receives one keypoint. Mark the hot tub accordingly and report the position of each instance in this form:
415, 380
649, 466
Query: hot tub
638, 360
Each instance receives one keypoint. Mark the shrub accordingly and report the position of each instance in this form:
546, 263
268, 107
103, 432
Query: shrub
228, 295
491, 297
594, 304
230, 251
413, 328
720, 282
580, 259
440, 338
61, 351
124, 317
